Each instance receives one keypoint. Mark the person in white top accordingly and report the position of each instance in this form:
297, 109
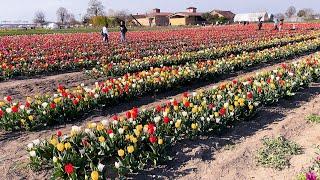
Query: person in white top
105, 33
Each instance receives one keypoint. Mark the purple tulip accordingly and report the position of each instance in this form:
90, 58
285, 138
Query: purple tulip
311, 176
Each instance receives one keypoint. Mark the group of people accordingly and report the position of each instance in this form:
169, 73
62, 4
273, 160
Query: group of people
278, 25
123, 31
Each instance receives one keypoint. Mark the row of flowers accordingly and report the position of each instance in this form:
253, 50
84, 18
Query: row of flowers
122, 67
40, 54
70, 104
138, 138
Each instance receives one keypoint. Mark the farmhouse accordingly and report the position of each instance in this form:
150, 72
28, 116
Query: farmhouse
251, 17
228, 15
190, 17
156, 18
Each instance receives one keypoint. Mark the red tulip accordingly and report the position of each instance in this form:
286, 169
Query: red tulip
109, 131
14, 109
222, 111
187, 104
59, 133
68, 168
52, 105
166, 120
158, 108
115, 118
128, 114
9, 98
153, 139
249, 95
151, 128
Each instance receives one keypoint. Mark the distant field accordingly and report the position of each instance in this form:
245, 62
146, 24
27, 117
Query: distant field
13, 32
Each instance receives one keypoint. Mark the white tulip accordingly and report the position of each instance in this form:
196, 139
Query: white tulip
100, 167
32, 153
36, 142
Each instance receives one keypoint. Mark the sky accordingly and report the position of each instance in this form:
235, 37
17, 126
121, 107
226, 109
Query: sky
13, 10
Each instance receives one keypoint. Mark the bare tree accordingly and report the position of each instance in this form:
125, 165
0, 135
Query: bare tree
72, 20
63, 15
301, 13
122, 15
279, 16
290, 11
95, 8
309, 13
39, 17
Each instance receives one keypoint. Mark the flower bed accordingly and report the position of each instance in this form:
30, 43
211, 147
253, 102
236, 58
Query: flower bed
41, 54
120, 68
69, 104
129, 142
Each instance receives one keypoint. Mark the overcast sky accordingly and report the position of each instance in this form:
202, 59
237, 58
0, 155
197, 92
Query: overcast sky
24, 9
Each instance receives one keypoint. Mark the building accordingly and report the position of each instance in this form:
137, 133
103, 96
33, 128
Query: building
190, 17
251, 17
228, 15
155, 18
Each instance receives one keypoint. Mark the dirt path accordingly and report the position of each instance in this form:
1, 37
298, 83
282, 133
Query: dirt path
238, 162
19, 89
231, 155
13, 157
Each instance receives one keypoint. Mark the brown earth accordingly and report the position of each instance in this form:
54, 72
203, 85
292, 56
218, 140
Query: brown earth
205, 157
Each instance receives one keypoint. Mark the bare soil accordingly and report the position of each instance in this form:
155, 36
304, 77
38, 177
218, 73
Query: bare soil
226, 156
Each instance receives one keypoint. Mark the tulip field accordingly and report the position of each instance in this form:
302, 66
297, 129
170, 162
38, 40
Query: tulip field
114, 127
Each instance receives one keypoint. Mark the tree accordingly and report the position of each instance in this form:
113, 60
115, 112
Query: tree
95, 8
39, 17
301, 13
309, 13
122, 15
290, 11
208, 17
72, 20
63, 15
279, 16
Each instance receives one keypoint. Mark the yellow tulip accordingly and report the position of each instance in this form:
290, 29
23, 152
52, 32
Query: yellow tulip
231, 108
30, 118
121, 152
60, 147
178, 124
2, 103
176, 108
216, 114
139, 127
194, 125
95, 175
250, 107
102, 139
54, 141
67, 145
160, 141
100, 127
236, 103
130, 149
134, 140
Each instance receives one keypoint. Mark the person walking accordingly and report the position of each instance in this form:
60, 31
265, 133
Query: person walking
123, 31
276, 21
105, 33
281, 24
259, 24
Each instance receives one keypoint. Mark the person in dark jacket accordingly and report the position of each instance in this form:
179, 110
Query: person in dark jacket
123, 31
